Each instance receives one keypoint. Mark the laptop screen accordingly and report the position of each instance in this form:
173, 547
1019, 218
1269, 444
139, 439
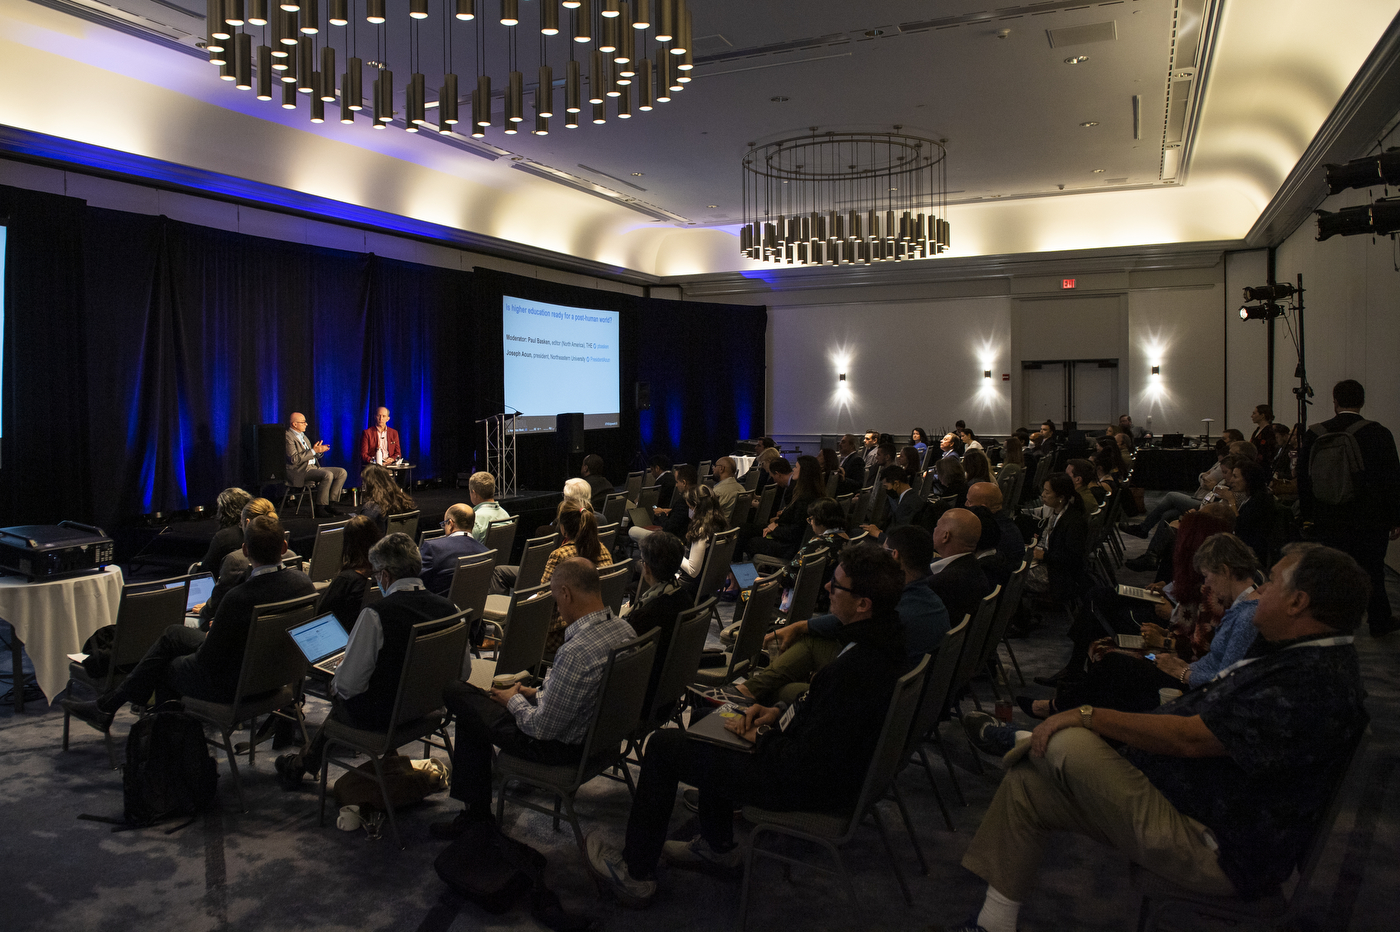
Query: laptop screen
744, 574
320, 638
201, 587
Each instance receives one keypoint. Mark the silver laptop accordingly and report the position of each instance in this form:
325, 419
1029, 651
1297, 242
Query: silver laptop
201, 587
322, 641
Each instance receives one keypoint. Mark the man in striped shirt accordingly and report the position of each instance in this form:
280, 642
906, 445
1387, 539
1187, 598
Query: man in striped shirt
547, 725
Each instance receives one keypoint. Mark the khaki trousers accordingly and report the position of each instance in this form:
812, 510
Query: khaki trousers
786, 678
1083, 785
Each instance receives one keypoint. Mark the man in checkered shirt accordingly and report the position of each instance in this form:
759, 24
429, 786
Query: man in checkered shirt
547, 725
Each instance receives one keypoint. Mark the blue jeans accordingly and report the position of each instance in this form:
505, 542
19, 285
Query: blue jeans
1172, 506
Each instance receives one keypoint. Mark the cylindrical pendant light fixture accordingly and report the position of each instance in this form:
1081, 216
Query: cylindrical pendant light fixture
600, 113
374, 11
476, 113
310, 18
444, 128
583, 22
541, 125
607, 42
665, 20
617, 84
352, 86
339, 12
597, 79
549, 17
572, 95
679, 42
624, 105
306, 63
286, 29
481, 109
627, 49
418, 9
291, 6
570, 4
447, 100
347, 115
417, 99
257, 12
510, 12
515, 99
328, 74
663, 77
233, 12
544, 92
384, 87
644, 87
641, 17
218, 58
214, 22
571, 121
289, 97
318, 109
466, 9
264, 63
611, 8
243, 61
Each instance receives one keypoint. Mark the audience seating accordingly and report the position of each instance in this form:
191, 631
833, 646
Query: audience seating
434, 658
145, 611
532, 561
937, 692
831, 830
620, 699
326, 553
739, 514
615, 579
500, 537
718, 556
614, 507
765, 506
632, 488
269, 680
648, 497
522, 641
758, 615
750, 479
471, 582
973, 658
607, 536
405, 522
678, 669
807, 587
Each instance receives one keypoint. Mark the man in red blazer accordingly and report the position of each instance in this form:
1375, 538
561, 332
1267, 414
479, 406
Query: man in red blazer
380, 437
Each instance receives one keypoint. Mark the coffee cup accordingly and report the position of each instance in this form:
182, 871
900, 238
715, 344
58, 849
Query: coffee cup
1167, 694
349, 819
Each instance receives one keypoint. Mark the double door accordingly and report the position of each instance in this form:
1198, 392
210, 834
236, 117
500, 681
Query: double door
1083, 391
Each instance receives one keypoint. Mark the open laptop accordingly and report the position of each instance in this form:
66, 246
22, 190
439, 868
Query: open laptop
201, 587
745, 574
322, 640
641, 517
1137, 592
711, 730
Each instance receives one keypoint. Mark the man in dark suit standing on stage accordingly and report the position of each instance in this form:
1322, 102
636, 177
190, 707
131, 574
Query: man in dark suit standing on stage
304, 463
1362, 520
380, 443
440, 554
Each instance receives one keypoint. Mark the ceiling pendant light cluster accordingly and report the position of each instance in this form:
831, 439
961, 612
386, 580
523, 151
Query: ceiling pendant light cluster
633, 54
832, 198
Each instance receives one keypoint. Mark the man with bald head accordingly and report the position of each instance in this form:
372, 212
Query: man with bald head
728, 489
440, 554
380, 443
957, 578
1012, 546
304, 463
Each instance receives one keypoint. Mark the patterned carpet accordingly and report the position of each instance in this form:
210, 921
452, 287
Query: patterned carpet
273, 868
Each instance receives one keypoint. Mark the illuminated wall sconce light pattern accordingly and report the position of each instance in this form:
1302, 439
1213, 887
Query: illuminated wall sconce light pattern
986, 373
1156, 370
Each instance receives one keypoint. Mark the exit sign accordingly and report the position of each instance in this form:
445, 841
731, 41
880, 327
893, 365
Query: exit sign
1066, 283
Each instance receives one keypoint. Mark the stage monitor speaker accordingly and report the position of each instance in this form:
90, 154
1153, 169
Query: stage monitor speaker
568, 429
270, 444
643, 396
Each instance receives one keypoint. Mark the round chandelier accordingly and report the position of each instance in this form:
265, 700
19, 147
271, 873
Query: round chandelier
611, 57
830, 198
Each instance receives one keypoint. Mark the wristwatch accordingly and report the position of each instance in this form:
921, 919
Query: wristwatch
1086, 716
761, 731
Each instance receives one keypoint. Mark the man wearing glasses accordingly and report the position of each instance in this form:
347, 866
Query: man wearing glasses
440, 554
304, 463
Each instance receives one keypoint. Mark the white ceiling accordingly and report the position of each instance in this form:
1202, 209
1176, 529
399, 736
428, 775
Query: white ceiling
1026, 177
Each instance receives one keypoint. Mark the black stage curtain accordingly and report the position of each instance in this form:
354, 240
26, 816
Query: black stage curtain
705, 364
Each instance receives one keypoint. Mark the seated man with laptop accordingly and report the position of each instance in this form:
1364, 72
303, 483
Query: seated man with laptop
813, 754
366, 677
188, 662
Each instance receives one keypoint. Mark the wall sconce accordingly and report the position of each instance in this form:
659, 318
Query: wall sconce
1156, 370
986, 373
843, 377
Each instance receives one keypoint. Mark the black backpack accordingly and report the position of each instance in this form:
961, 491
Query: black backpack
494, 871
1335, 464
169, 771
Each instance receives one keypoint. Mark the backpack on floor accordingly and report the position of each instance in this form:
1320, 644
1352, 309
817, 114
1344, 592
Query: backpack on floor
169, 771
495, 871
1335, 464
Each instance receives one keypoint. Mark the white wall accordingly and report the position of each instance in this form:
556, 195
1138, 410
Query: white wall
1179, 330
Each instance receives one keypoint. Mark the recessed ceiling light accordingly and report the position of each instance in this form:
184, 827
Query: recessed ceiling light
637, 174
1098, 171
778, 100
712, 206
872, 33
1088, 123
1077, 59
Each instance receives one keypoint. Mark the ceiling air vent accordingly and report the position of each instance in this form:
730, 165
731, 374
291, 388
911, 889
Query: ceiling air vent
1079, 35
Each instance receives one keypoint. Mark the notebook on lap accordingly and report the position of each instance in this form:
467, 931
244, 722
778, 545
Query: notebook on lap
641, 517
711, 730
322, 641
745, 574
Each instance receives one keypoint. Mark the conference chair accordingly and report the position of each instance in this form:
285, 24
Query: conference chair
614, 507
433, 659
471, 582
926, 481
831, 482
521, 647
648, 497
632, 488
748, 642
1008, 479
832, 830
678, 669
860, 507
326, 553
807, 587
739, 513
973, 659
1006, 611
614, 580
302, 493
1276, 909
751, 478
765, 506
431, 534
143, 614
703, 470
500, 537
607, 536
677, 498
620, 698
405, 522
718, 556
532, 561
269, 681
937, 687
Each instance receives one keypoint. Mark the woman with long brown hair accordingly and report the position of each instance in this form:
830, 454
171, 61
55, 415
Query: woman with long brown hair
383, 497
578, 529
345, 596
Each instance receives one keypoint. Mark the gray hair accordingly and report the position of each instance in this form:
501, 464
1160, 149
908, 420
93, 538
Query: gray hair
1225, 553
396, 555
580, 491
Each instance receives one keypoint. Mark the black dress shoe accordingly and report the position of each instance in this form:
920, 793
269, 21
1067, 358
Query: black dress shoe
89, 712
1056, 679
1142, 564
1027, 705
1137, 530
290, 769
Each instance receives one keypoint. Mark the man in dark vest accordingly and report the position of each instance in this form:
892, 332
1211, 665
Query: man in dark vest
367, 681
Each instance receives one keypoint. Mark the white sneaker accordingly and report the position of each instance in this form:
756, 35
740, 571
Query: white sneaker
610, 870
697, 854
